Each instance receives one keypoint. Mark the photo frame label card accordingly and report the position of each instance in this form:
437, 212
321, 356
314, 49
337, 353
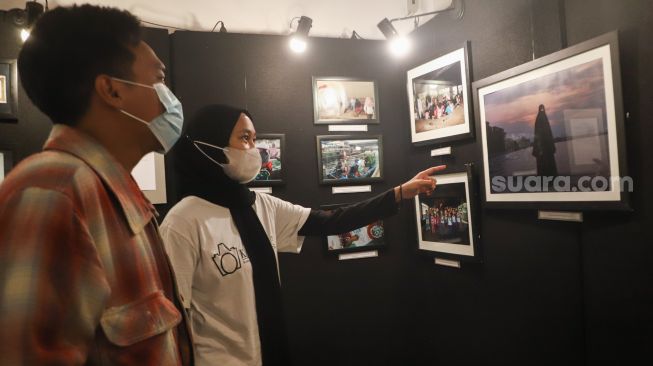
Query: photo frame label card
359, 255
441, 152
347, 128
351, 189
447, 263
560, 216
266, 190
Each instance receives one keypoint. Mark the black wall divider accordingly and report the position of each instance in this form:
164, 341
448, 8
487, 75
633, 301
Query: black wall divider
547, 292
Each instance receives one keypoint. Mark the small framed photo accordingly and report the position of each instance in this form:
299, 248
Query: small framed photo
447, 220
350, 159
6, 163
272, 148
8, 91
552, 131
339, 100
438, 93
150, 175
368, 237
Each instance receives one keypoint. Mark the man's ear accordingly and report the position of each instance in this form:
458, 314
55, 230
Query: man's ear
109, 91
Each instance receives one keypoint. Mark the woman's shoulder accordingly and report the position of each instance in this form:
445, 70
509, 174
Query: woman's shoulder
192, 208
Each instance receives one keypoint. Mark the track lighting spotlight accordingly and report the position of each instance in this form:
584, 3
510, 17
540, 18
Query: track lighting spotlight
398, 45
298, 41
25, 18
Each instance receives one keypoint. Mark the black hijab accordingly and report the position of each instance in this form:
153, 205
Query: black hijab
199, 176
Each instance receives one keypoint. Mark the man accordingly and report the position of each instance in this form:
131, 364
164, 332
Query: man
83, 275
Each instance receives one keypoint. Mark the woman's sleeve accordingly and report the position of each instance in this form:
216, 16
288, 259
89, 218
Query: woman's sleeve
183, 251
347, 218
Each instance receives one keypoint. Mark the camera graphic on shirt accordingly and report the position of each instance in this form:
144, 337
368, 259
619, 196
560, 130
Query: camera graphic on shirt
227, 260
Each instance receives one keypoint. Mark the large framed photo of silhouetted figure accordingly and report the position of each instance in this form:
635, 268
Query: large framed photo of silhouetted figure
272, 148
552, 131
340, 100
368, 237
8, 91
350, 159
447, 219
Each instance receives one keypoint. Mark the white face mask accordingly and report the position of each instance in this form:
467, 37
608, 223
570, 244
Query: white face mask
243, 165
167, 126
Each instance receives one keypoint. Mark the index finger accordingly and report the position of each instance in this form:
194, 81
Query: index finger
435, 169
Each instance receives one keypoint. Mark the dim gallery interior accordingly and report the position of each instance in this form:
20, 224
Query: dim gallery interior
532, 250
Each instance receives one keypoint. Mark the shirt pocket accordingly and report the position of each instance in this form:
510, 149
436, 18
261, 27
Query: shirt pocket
128, 324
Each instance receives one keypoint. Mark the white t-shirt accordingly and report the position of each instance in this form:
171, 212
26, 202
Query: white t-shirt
214, 274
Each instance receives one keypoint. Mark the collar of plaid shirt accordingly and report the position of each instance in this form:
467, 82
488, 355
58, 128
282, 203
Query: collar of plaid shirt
117, 179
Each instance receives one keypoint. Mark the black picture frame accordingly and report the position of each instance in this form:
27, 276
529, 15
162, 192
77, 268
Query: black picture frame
275, 179
374, 231
443, 67
7, 157
8, 90
570, 62
448, 185
319, 119
324, 166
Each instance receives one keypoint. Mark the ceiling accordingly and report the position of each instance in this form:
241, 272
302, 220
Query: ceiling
332, 18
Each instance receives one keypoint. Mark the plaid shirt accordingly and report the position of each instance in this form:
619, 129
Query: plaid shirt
84, 278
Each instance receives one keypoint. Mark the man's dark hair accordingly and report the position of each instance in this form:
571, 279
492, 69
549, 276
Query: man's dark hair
67, 49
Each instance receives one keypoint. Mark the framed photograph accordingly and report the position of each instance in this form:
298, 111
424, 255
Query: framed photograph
8, 91
552, 131
368, 237
272, 148
150, 175
350, 159
447, 221
6, 163
438, 96
345, 100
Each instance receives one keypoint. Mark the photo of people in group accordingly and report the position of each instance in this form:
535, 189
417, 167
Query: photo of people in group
438, 99
350, 159
345, 100
270, 150
553, 125
366, 236
444, 217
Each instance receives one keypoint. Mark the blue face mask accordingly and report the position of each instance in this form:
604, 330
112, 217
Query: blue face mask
167, 126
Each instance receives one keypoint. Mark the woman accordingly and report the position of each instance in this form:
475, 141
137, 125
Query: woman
223, 239
544, 148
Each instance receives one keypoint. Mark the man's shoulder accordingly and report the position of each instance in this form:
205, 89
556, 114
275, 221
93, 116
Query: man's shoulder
50, 170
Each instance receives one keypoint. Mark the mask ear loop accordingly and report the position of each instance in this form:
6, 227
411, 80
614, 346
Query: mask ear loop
195, 142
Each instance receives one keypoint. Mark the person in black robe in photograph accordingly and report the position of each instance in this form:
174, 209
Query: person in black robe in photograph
543, 145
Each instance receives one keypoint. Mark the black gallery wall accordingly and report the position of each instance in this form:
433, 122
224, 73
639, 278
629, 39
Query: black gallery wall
546, 293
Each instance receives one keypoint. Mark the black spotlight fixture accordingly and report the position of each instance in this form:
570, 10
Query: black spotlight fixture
399, 46
33, 10
298, 41
388, 30
25, 18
